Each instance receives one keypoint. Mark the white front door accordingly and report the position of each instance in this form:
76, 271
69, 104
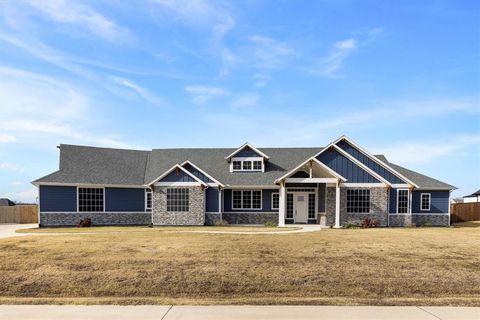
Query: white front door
301, 207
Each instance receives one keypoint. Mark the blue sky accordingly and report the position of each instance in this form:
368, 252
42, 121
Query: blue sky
398, 77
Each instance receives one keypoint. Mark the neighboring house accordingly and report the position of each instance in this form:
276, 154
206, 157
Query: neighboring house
474, 197
4, 202
339, 184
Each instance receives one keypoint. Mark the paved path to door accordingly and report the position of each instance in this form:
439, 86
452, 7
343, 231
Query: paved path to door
68, 312
7, 230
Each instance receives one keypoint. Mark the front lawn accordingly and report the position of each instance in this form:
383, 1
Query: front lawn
401, 266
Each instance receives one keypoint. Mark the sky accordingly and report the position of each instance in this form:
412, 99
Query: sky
400, 78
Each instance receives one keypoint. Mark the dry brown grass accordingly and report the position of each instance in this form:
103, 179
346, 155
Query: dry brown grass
424, 266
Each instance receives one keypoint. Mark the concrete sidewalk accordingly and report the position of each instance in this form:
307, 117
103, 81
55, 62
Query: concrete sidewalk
69, 312
7, 230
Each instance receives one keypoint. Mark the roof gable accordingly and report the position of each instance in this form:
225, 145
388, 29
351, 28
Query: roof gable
247, 150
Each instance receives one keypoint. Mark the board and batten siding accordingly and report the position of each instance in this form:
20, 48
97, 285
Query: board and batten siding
124, 200
197, 173
58, 199
177, 176
345, 167
246, 152
360, 156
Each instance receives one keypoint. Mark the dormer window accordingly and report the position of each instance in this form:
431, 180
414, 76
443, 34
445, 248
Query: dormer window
247, 165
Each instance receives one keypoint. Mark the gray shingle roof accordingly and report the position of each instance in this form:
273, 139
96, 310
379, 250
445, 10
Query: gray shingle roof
106, 166
475, 194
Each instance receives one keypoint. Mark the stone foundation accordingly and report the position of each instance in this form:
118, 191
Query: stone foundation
59, 219
400, 220
195, 215
434, 220
250, 218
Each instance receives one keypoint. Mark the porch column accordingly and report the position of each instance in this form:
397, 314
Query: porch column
337, 205
281, 205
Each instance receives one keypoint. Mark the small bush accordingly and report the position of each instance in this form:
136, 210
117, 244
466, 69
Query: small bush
370, 223
220, 223
86, 222
351, 226
270, 224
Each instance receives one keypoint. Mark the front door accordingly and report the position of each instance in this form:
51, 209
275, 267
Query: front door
301, 207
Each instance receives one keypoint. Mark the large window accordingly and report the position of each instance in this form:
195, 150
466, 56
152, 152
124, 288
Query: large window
90, 199
425, 199
148, 200
275, 200
311, 206
247, 164
178, 200
402, 201
246, 199
289, 206
358, 201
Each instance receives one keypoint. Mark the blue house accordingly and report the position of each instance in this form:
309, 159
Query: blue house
339, 184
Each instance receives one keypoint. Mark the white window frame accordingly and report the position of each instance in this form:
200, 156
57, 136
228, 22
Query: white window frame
251, 199
408, 200
247, 159
271, 203
429, 201
91, 187
147, 192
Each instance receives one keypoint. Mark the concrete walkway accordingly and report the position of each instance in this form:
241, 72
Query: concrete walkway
7, 230
68, 312
301, 228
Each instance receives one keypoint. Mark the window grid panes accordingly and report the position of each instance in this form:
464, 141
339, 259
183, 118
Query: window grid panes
148, 205
425, 201
178, 200
237, 165
300, 189
257, 165
289, 206
247, 165
275, 200
311, 206
358, 201
402, 201
90, 199
246, 199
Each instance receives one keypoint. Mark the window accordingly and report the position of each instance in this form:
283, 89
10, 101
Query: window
178, 200
275, 200
247, 164
425, 199
311, 206
289, 206
402, 201
246, 199
358, 201
90, 199
148, 200
237, 165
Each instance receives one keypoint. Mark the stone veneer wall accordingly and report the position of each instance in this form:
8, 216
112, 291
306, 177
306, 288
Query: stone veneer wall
378, 207
437, 220
400, 220
195, 216
242, 218
58, 219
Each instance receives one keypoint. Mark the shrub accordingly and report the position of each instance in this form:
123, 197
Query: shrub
351, 226
86, 222
370, 223
220, 223
270, 224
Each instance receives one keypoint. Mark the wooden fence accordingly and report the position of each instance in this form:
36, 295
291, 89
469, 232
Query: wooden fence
19, 214
465, 212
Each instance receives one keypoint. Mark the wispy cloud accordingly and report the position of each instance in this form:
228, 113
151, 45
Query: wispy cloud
26, 196
140, 91
82, 16
245, 101
203, 94
10, 166
6, 138
328, 65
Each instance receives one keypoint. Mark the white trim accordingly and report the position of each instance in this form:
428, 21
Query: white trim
116, 211
400, 186
429, 201
146, 200
418, 214
251, 147
177, 184
271, 201
363, 185
249, 187
337, 206
361, 165
251, 199
324, 166
88, 185
281, 205
203, 172
251, 160
369, 155
163, 175
311, 180
408, 200
247, 212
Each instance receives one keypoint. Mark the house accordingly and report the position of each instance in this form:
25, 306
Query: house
339, 184
4, 202
474, 197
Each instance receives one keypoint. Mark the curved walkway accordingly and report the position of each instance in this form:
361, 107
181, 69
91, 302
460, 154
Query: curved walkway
301, 229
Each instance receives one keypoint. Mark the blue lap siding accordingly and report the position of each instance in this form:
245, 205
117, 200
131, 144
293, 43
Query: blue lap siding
357, 154
124, 200
439, 201
345, 167
58, 199
211, 200
266, 201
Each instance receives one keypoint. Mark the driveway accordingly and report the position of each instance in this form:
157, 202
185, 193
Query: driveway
7, 230
69, 312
